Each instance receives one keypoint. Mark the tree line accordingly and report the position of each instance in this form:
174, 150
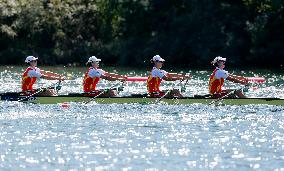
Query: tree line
187, 33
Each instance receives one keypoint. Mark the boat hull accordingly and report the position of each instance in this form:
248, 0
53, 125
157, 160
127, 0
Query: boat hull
142, 100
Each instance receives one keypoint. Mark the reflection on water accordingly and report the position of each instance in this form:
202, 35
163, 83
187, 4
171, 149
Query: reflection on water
141, 137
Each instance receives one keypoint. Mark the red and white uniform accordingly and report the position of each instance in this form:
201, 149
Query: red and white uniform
155, 79
92, 77
216, 81
29, 78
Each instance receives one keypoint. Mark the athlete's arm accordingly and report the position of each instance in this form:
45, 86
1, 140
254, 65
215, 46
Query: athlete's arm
176, 76
237, 79
49, 73
113, 77
51, 76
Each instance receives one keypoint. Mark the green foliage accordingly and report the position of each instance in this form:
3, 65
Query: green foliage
129, 32
266, 31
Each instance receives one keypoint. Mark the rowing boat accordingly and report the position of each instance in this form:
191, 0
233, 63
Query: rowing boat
137, 99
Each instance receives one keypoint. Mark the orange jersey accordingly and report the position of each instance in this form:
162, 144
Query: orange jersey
154, 81
153, 84
28, 82
215, 85
89, 84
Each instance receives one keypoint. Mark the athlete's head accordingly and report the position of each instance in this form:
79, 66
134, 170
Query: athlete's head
219, 62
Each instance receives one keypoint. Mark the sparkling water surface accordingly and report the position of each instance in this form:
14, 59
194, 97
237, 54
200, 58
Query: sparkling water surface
139, 136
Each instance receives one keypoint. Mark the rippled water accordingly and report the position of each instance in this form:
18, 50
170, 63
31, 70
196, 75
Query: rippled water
142, 137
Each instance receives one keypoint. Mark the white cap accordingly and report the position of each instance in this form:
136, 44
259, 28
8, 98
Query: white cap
30, 58
158, 58
93, 59
217, 59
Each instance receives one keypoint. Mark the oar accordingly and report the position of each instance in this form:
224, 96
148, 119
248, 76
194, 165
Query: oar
103, 91
159, 99
38, 91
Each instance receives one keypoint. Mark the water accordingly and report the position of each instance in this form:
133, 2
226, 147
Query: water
142, 137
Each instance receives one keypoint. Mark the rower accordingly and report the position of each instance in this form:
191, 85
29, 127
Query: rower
32, 73
218, 77
156, 76
93, 75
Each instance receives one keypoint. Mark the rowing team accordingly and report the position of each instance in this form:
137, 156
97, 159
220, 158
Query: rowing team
156, 75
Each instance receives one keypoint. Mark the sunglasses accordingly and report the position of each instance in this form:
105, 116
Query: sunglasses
33, 61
